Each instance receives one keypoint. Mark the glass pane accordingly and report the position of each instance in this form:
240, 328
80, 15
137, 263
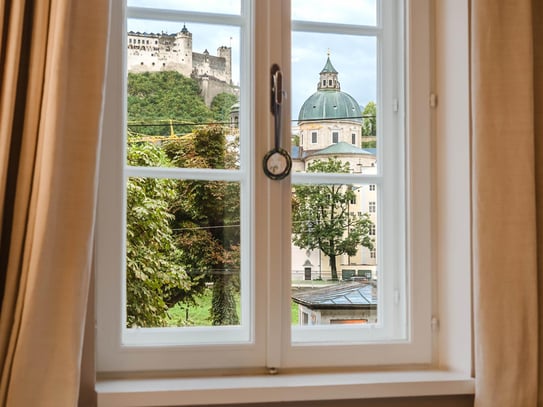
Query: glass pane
360, 12
182, 94
334, 95
182, 253
217, 6
334, 261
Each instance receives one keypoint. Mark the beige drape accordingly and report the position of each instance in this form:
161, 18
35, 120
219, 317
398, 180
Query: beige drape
507, 113
52, 64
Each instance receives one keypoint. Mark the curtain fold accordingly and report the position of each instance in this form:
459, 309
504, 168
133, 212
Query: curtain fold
506, 88
52, 68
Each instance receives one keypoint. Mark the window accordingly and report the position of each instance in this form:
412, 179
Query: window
252, 212
353, 138
372, 187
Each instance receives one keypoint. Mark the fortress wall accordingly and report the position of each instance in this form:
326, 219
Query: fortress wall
211, 87
210, 65
152, 61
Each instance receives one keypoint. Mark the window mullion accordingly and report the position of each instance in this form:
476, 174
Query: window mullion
272, 198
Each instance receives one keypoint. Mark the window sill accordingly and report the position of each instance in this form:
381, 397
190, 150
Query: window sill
280, 388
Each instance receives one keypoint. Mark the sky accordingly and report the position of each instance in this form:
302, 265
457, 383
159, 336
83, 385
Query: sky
354, 57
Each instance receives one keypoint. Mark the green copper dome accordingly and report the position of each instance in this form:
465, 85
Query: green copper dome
330, 104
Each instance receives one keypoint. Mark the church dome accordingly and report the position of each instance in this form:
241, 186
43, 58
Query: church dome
329, 102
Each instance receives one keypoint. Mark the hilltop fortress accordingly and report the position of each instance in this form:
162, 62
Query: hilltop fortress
148, 52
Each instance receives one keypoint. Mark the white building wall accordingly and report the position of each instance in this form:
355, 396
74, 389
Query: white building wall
345, 130
308, 316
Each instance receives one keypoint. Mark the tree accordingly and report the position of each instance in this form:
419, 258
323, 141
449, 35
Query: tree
153, 269
369, 120
155, 97
321, 218
207, 219
221, 106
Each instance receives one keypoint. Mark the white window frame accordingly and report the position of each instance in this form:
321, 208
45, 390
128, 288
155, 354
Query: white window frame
108, 248
314, 140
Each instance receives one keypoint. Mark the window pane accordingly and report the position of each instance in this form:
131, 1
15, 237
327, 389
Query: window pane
183, 92
334, 262
360, 12
217, 6
334, 94
182, 252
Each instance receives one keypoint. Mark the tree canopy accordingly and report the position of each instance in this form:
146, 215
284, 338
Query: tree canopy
221, 106
369, 120
181, 235
321, 218
207, 218
155, 98
153, 269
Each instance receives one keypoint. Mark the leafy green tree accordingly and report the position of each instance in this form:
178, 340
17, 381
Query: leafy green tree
369, 144
221, 105
207, 220
369, 120
153, 263
321, 218
155, 97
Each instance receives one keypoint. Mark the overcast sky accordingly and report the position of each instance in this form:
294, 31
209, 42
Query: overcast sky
354, 57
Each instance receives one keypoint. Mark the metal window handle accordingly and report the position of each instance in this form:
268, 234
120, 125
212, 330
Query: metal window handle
277, 85
277, 162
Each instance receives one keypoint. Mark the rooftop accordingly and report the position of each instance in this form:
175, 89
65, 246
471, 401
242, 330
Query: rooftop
344, 295
343, 148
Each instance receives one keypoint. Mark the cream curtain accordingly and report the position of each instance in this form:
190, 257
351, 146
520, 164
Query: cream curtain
52, 64
507, 120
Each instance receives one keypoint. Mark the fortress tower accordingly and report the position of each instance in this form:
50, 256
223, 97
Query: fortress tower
226, 53
183, 50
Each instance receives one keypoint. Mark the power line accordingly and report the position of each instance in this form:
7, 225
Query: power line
140, 123
208, 227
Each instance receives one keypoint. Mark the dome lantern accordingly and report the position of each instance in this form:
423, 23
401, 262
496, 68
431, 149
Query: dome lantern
328, 77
